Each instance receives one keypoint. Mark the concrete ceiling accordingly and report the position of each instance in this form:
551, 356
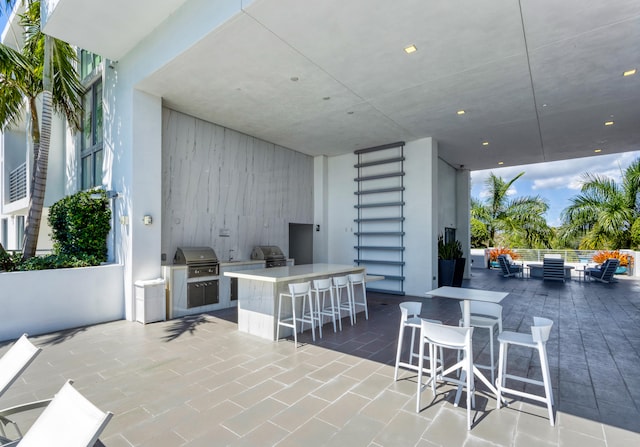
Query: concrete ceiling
537, 79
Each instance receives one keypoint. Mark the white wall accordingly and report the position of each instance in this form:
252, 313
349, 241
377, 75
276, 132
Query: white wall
52, 300
421, 182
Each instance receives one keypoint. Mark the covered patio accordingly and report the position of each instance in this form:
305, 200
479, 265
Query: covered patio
197, 381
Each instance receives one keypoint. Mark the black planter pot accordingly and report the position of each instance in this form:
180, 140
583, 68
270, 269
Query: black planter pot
451, 272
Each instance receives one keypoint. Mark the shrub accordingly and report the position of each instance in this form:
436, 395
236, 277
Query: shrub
59, 261
603, 255
495, 252
80, 224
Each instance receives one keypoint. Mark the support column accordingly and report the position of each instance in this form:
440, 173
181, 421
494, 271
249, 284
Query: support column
463, 215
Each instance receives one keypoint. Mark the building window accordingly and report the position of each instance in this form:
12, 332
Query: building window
91, 153
19, 231
4, 234
89, 64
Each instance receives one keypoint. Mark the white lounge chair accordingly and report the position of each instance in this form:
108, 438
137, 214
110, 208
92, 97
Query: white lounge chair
70, 420
12, 365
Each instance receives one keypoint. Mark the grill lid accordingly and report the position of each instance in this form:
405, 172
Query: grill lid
266, 252
195, 256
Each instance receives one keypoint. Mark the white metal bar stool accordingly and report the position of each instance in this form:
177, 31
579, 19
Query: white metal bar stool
357, 279
485, 315
410, 318
341, 286
296, 290
447, 337
536, 340
322, 287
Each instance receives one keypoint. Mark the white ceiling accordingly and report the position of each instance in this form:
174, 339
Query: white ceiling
536, 78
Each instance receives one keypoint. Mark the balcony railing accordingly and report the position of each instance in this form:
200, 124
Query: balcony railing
18, 183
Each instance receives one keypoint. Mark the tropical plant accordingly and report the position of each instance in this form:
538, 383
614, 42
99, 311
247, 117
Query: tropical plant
43, 70
449, 250
603, 255
519, 221
604, 215
495, 252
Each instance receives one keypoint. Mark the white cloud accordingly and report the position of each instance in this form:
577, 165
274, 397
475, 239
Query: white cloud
565, 174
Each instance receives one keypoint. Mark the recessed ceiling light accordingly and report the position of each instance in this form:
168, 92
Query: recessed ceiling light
485, 143
629, 72
608, 123
597, 151
410, 49
501, 162
326, 98
294, 78
460, 112
349, 113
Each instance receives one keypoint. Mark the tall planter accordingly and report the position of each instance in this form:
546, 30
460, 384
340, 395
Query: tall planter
451, 272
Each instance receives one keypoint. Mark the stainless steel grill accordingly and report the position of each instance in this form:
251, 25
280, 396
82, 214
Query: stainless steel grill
201, 262
271, 254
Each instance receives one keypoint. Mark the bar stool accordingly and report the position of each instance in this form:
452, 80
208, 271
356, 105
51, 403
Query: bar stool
323, 287
340, 285
447, 337
485, 316
357, 279
296, 290
410, 318
536, 340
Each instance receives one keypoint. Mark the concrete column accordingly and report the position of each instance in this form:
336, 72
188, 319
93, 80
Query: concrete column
463, 215
421, 213
320, 209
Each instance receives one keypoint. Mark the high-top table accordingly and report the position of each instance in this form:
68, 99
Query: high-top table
468, 295
258, 292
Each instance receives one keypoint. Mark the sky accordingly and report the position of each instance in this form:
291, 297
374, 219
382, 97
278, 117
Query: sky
557, 181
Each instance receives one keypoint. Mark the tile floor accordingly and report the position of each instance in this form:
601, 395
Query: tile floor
197, 381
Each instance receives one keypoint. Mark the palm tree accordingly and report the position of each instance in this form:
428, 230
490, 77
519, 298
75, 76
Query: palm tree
520, 220
603, 215
45, 70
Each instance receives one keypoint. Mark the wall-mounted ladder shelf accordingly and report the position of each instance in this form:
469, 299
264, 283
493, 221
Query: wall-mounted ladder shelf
380, 236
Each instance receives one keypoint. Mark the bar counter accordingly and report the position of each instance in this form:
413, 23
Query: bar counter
258, 292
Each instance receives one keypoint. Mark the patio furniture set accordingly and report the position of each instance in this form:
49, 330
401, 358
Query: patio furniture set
480, 310
68, 419
553, 268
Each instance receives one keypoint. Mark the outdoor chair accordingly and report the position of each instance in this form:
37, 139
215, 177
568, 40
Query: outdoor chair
438, 336
485, 316
509, 268
553, 269
70, 420
410, 318
605, 272
12, 365
537, 340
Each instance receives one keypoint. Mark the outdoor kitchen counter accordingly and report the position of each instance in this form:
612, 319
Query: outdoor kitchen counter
258, 292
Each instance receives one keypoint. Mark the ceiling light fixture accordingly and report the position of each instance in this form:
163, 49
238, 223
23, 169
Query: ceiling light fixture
294, 78
629, 72
460, 112
485, 143
501, 162
608, 123
326, 98
410, 49
597, 151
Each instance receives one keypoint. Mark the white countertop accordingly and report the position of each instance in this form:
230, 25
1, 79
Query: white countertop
290, 273
239, 262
